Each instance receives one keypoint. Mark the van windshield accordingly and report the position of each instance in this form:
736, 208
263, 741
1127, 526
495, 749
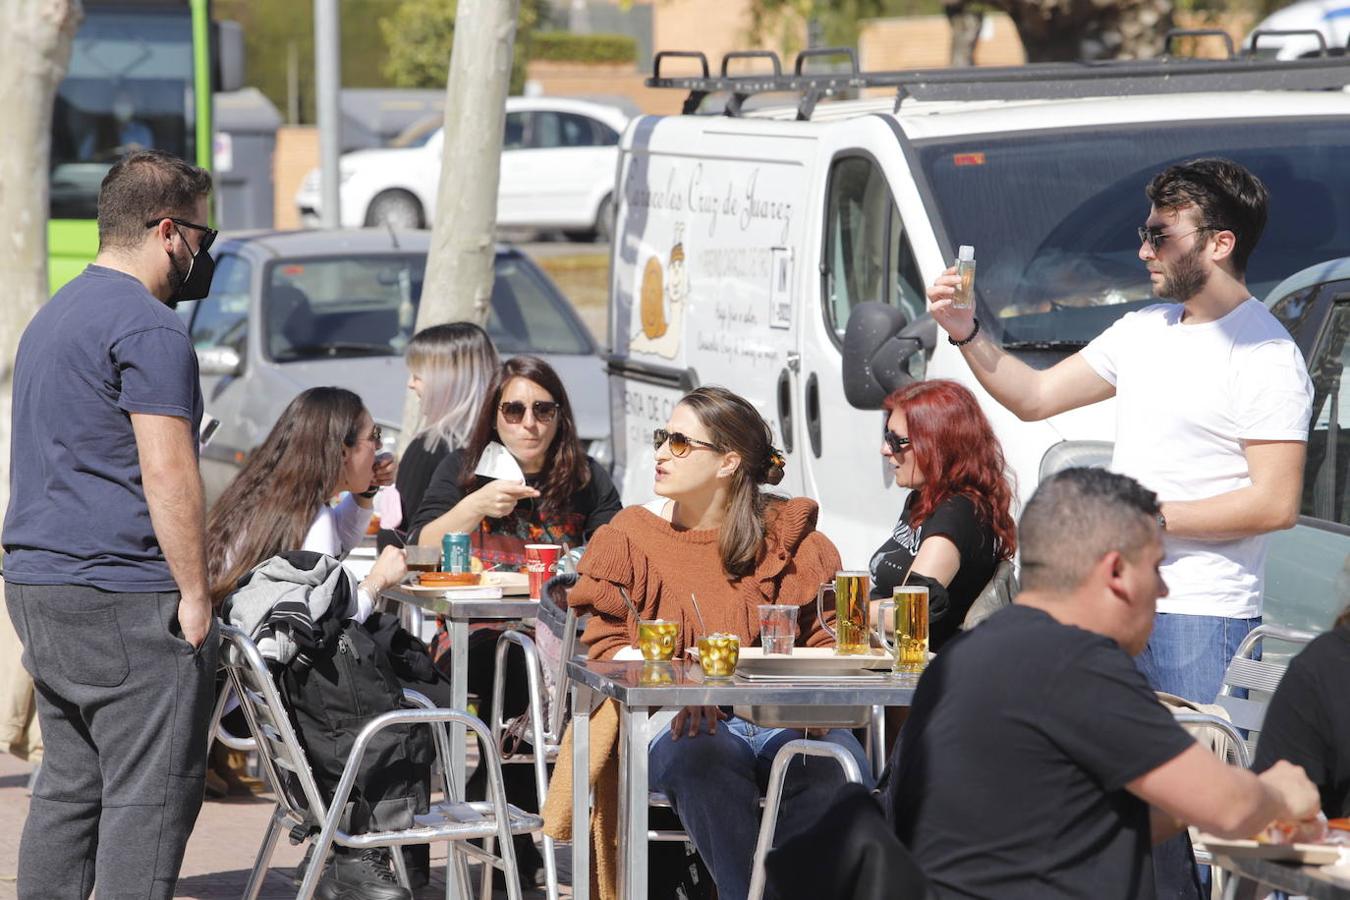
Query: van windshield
1052, 215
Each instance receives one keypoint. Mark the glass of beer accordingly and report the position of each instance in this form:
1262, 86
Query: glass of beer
718, 654
850, 632
908, 612
657, 638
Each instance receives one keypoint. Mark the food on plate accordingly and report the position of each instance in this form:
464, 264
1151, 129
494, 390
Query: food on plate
1309, 831
446, 579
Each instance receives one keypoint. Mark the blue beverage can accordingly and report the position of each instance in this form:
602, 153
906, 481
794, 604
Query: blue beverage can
455, 552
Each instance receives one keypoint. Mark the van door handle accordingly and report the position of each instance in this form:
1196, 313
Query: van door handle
785, 423
813, 413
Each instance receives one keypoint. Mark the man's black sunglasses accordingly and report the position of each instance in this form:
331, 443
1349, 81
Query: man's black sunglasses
513, 411
208, 233
895, 441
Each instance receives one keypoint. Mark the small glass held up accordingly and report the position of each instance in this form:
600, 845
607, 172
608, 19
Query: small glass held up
908, 611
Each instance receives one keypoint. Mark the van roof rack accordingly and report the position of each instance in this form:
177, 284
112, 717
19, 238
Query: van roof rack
1329, 70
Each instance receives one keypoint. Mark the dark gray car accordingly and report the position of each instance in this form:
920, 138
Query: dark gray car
294, 310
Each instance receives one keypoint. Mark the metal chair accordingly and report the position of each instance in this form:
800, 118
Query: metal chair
773, 797
1234, 750
545, 729
302, 808
1258, 677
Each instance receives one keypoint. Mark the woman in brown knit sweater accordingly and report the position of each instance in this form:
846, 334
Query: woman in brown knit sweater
713, 533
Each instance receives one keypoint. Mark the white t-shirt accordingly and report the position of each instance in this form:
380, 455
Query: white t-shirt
1187, 398
335, 531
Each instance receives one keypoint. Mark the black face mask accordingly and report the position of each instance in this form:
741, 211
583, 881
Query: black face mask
195, 283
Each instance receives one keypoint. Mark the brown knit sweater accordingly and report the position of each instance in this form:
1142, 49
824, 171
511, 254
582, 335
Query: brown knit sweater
660, 567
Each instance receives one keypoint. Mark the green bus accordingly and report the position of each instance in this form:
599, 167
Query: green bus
140, 76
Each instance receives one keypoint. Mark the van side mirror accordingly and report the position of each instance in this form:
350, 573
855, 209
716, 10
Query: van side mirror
878, 342
224, 361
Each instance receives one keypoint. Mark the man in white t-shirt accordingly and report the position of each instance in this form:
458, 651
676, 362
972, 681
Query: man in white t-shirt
1212, 408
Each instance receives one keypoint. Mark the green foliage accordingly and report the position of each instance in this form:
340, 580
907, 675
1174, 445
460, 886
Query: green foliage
271, 28
563, 46
421, 33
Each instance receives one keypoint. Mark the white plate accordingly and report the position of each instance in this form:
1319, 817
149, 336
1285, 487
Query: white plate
1308, 854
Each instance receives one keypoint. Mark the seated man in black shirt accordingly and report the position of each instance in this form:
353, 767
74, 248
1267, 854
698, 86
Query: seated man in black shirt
1307, 725
1036, 761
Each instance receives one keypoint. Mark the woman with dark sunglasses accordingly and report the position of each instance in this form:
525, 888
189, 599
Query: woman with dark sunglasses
564, 496
706, 553
956, 524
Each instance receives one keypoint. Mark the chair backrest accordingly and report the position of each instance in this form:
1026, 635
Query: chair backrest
280, 754
1068, 454
556, 640
1251, 679
998, 593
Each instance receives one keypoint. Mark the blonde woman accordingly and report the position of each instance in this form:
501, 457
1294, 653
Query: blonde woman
450, 369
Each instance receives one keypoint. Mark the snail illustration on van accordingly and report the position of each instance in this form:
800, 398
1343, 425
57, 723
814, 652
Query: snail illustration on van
661, 301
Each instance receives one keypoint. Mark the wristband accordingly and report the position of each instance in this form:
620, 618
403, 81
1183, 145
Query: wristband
970, 337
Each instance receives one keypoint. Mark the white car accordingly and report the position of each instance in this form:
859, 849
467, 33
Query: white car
1296, 28
558, 164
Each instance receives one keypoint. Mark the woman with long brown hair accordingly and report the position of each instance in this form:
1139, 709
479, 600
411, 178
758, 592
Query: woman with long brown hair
561, 496
324, 444
555, 495
956, 525
706, 554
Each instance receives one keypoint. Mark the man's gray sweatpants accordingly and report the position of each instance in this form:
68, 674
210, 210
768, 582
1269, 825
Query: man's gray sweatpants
125, 705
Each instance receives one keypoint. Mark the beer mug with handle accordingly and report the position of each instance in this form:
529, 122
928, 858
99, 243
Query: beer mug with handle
850, 632
908, 612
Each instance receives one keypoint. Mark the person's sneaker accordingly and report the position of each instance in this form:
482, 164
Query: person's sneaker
360, 876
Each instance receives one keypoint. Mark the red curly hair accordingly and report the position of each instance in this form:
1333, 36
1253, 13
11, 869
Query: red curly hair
957, 452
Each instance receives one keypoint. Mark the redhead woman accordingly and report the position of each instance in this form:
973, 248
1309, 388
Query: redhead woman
713, 533
956, 524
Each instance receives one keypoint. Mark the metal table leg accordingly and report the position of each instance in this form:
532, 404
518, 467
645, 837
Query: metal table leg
633, 796
459, 696
582, 701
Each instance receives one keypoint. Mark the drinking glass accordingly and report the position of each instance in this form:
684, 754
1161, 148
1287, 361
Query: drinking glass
657, 638
908, 611
718, 654
777, 628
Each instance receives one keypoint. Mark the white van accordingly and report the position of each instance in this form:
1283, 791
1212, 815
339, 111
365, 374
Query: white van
784, 253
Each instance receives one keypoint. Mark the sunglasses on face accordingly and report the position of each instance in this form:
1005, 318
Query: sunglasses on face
680, 444
1156, 237
376, 437
513, 411
208, 233
895, 442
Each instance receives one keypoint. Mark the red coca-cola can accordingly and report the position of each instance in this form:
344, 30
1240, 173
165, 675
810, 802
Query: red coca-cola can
540, 562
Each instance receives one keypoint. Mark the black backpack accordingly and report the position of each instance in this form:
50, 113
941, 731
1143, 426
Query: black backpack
332, 690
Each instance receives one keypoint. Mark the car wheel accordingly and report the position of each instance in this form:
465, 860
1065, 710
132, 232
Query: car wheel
604, 221
397, 208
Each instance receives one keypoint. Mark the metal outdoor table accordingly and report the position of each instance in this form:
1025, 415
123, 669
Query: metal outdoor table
1292, 878
633, 685
414, 606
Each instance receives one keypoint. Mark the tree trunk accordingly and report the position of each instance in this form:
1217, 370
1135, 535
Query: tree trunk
37, 35
458, 284
965, 25
1066, 30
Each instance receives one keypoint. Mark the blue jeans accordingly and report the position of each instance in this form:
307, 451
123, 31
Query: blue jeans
715, 781
1187, 656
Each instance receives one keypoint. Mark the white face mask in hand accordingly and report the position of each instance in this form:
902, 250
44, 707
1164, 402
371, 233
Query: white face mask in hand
497, 463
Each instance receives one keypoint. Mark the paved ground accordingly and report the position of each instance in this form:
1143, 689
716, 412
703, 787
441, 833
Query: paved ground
219, 856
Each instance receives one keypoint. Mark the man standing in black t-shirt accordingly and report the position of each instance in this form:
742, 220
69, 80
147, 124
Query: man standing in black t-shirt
1037, 762
105, 571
